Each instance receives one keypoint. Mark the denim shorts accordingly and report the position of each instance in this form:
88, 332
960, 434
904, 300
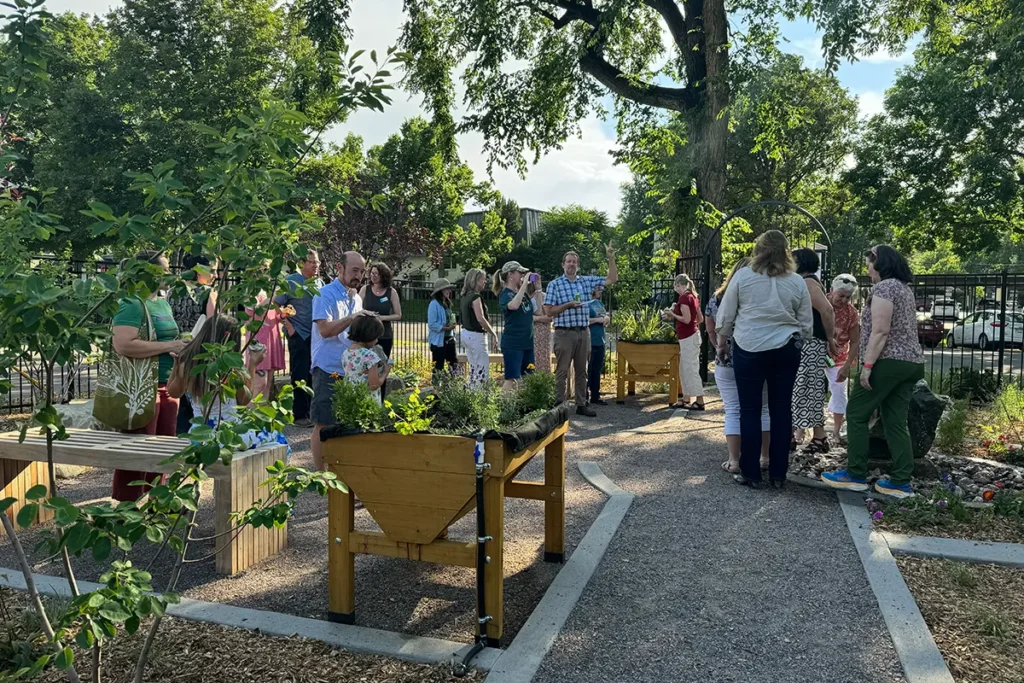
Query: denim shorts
517, 362
321, 409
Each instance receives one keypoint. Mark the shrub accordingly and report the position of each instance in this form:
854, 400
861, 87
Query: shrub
971, 384
962, 575
537, 392
355, 407
644, 326
953, 427
413, 369
463, 409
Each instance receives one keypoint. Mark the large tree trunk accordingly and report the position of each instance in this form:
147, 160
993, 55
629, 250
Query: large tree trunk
708, 123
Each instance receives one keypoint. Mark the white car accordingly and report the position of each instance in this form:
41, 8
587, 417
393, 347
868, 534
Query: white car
981, 329
946, 309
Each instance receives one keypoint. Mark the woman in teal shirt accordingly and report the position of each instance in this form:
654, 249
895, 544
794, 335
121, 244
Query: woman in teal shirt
128, 324
511, 284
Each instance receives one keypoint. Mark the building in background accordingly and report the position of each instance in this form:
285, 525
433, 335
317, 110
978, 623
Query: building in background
421, 270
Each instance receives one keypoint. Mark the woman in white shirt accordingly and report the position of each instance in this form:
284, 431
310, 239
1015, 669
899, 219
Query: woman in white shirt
766, 312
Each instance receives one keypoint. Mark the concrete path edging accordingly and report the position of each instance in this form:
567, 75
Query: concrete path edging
356, 639
519, 663
919, 655
959, 550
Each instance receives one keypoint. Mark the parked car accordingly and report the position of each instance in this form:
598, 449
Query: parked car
929, 331
946, 309
982, 329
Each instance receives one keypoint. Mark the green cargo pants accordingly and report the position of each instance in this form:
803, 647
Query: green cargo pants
892, 383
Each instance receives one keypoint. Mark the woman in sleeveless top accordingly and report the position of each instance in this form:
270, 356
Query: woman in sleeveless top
381, 298
811, 381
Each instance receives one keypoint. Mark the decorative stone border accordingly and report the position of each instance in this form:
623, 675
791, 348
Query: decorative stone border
352, 638
980, 552
919, 655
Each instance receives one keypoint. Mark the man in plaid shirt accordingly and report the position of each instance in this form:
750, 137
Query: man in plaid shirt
566, 302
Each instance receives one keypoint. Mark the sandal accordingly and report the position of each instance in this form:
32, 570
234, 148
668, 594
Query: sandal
817, 446
681, 406
731, 467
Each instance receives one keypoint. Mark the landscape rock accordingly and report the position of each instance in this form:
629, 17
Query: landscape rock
926, 410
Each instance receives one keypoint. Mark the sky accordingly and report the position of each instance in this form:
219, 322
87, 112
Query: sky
582, 171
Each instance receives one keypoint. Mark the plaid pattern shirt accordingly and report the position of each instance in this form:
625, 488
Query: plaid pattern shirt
562, 291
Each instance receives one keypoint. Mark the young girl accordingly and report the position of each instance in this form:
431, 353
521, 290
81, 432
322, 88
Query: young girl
183, 381
362, 364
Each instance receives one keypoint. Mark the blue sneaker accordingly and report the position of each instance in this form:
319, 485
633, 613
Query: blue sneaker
841, 479
886, 487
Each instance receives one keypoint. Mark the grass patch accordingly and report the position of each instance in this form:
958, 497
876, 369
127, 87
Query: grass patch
977, 622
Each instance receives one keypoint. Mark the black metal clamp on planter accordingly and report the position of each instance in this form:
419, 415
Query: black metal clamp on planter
460, 669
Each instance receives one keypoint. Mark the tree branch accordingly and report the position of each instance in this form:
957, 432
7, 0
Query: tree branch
674, 19
674, 99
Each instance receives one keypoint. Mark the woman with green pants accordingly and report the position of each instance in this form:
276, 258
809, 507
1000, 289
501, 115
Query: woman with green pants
891, 364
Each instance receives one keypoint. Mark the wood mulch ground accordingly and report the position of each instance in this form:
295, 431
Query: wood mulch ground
976, 615
193, 652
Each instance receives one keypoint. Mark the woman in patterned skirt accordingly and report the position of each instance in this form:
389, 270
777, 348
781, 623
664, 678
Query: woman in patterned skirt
541, 329
810, 388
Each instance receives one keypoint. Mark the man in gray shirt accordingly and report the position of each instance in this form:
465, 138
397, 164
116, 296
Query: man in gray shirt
299, 330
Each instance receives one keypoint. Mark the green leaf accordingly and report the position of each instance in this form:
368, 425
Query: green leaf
101, 548
27, 515
77, 537
6, 503
114, 611
96, 600
131, 625
154, 534
145, 606
64, 659
36, 492
85, 638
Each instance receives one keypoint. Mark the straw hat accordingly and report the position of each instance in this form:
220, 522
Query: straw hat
513, 265
442, 284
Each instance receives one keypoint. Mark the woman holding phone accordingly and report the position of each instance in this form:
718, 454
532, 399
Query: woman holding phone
511, 285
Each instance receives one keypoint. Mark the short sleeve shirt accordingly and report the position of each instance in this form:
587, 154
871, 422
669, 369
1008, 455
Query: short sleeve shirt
597, 310
129, 314
302, 321
332, 303
902, 343
846, 319
561, 291
517, 334
358, 362
688, 301
711, 311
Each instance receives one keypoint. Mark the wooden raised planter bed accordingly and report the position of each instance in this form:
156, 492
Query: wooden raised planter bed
647, 362
416, 486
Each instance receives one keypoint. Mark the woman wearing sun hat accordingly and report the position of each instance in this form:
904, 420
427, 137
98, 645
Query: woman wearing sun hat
441, 326
511, 284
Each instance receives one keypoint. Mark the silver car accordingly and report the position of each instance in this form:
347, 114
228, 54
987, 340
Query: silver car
982, 329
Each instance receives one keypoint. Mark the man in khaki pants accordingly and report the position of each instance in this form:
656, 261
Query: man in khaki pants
566, 302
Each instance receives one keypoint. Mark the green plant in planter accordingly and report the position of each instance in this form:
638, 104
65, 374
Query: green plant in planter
537, 391
355, 407
644, 326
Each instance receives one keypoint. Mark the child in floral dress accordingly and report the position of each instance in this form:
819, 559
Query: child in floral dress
361, 363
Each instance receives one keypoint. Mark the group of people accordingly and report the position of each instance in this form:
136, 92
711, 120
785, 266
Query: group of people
782, 344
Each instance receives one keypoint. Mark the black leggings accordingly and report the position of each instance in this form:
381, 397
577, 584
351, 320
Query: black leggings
386, 345
443, 354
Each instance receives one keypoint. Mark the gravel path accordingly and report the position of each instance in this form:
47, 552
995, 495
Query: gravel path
708, 581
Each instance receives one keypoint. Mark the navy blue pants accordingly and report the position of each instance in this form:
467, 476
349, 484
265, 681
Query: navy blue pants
777, 368
594, 371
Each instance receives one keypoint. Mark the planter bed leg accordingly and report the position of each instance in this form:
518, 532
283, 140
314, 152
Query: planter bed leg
341, 572
494, 502
620, 383
554, 509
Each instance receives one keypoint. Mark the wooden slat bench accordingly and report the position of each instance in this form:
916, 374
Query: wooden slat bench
237, 487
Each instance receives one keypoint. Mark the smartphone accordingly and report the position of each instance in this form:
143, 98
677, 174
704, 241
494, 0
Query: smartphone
257, 347
534, 277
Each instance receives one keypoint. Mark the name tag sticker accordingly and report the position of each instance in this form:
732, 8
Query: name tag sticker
383, 299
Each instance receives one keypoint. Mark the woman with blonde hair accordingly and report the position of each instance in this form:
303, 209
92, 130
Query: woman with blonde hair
687, 317
475, 327
725, 379
766, 315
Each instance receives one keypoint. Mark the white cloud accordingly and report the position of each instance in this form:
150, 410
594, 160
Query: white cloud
870, 102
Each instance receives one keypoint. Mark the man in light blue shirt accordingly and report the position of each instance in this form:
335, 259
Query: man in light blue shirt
566, 303
334, 309
299, 330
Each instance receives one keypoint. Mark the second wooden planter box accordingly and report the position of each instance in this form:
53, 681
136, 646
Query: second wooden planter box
647, 362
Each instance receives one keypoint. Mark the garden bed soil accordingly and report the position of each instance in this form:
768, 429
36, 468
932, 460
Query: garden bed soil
979, 629
193, 652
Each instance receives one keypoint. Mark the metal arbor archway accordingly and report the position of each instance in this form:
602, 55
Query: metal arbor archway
708, 254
